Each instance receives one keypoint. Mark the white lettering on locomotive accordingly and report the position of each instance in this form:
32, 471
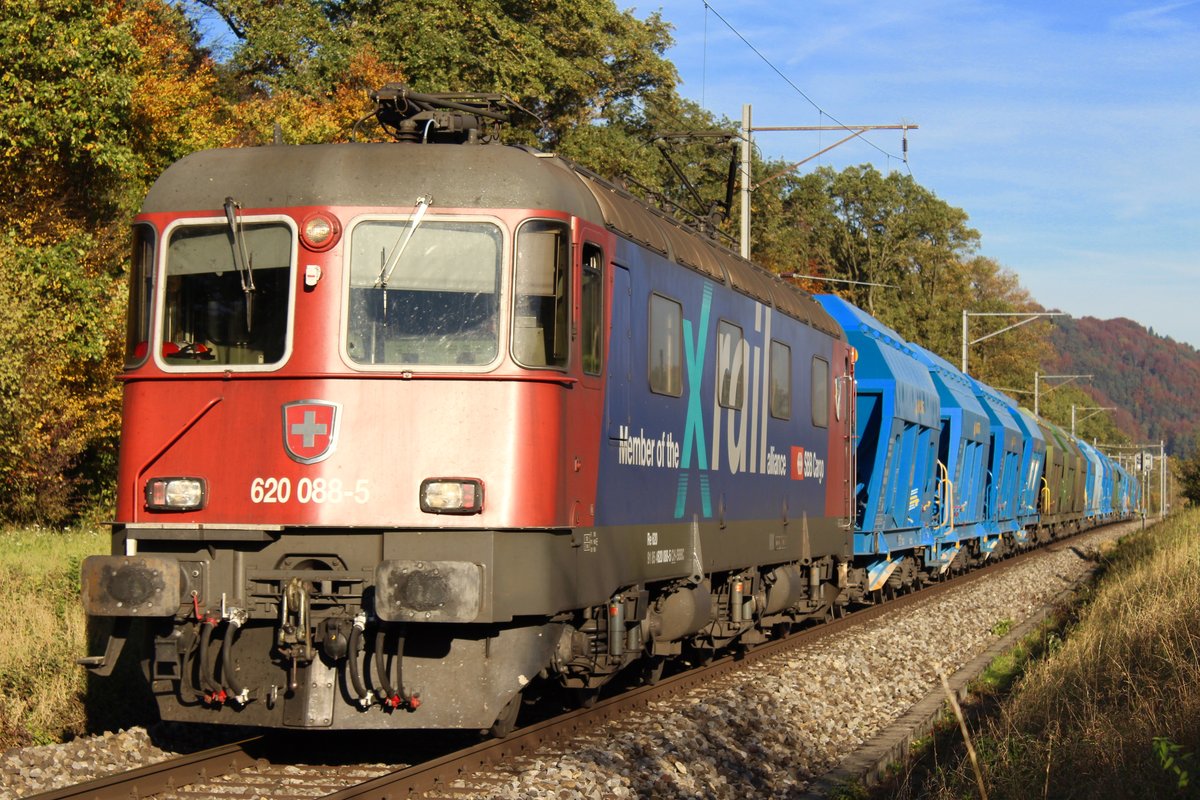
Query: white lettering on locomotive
645, 451
316, 491
745, 437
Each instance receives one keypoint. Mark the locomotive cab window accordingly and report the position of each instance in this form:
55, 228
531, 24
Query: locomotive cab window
731, 365
592, 314
781, 380
141, 290
424, 293
820, 392
542, 296
227, 296
665, 362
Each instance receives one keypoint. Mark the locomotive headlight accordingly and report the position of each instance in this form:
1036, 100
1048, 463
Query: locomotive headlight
451, 496
320, 231
176, 494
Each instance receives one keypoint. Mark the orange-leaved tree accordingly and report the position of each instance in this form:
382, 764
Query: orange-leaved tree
100, 96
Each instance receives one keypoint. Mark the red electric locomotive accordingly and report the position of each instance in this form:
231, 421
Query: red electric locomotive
409, 427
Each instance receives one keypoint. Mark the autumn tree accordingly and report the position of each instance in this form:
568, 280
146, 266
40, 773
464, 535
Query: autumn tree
886, 243
100, 97
566, 62
1188, 475
1009, 359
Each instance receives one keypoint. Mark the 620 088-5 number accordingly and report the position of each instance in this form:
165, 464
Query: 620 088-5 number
309, 490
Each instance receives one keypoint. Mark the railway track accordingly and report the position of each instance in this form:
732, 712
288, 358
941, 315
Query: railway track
156, 778
264, 767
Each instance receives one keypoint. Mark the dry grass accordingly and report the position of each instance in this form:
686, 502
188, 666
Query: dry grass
1100, 716
43, 630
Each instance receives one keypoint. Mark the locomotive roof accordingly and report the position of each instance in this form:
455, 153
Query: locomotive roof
458, 176
370, 175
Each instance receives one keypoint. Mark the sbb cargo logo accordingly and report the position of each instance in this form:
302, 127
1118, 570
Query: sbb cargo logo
805, 464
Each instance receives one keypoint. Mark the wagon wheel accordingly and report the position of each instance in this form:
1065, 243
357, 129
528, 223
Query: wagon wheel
652, 671
585, 697
506, 723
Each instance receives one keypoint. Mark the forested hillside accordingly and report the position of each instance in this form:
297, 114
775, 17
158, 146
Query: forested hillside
1153, 379
102, 95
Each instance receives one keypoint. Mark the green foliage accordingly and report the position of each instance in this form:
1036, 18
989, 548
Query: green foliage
567, 61
100, 98
1173, 760
885, 229
1188, 474
65, 124
60, 319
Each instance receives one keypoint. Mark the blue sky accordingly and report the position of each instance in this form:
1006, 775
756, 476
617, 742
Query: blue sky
1068, 131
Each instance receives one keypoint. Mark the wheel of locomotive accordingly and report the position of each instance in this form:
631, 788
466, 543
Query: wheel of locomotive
652, 672
585, 698
506, 723
698, 656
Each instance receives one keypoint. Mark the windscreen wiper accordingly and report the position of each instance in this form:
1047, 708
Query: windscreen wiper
244, 265
389, 266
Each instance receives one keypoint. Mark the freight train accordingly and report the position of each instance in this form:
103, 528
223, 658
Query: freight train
414, 430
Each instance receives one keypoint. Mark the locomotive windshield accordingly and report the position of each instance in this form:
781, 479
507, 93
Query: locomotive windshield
213, 315
424, 295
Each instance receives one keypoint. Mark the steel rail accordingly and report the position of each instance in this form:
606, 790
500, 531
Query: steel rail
165, 775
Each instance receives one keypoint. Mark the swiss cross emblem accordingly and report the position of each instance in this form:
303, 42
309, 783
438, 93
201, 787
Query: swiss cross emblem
310, 430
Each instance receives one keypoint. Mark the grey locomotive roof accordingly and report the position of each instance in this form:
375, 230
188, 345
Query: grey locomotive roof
370, 175
456, 176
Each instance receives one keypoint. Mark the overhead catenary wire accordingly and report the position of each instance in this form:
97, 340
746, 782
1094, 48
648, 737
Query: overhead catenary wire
709, 7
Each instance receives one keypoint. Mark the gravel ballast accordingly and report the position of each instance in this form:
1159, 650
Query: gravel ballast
767, 731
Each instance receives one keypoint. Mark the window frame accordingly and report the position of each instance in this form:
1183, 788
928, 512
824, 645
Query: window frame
160, 299
587, 250
786, 413
724, 391
819, 422
148, 272
677, 368
504, 338
568, 303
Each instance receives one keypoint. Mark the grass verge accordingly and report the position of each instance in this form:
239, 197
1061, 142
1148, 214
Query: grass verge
1107, 705
42, 691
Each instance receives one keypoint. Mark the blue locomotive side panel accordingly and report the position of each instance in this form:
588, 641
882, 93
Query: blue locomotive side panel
683, 444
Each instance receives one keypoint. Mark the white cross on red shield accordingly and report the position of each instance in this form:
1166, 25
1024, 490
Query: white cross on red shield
310, 430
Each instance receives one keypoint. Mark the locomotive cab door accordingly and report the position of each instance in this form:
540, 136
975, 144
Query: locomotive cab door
585, 404
616, 405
